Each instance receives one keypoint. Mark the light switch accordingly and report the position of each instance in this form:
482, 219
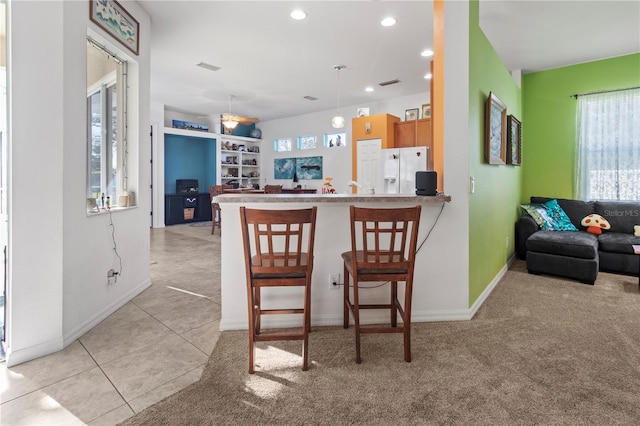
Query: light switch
472, 184
367, 127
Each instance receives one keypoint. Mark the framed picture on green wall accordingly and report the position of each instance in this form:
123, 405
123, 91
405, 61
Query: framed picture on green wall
514, 142
495, 140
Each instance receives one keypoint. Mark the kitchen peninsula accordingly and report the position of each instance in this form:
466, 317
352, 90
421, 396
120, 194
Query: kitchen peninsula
331, 239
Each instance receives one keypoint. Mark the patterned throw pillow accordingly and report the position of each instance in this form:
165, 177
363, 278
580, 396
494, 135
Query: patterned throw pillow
559, 219
538, 213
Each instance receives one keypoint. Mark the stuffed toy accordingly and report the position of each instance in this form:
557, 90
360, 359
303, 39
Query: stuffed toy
595, 224
636, 230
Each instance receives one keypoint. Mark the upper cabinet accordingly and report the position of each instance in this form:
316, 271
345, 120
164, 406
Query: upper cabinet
414, 133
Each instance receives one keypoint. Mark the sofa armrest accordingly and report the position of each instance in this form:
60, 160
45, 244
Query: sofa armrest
525, 227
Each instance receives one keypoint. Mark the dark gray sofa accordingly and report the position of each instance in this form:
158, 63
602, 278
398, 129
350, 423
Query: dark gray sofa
580, 255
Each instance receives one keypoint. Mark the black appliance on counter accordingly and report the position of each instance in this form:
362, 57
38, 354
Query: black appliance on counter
426, 183
187, 186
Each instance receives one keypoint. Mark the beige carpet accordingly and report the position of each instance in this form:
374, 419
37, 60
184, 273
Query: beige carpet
541, 350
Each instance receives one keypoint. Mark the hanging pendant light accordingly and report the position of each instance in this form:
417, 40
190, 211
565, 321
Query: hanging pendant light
338, 121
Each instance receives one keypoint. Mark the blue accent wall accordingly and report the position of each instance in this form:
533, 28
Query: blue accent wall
187, 157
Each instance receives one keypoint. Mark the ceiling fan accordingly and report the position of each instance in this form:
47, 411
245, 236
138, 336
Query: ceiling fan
230, 120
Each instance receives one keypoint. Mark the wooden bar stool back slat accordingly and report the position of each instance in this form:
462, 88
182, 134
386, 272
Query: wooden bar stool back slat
383, 249
216, 213
278, 252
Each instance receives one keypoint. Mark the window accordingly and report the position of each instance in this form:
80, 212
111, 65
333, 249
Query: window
281, 145
307, 142
608, 140
106, 87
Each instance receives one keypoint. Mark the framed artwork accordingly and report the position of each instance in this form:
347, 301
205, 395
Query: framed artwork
426, 110
188, 125
332, 140
514, 141
114, 19
284, 168
411, 114
495, 128
309, 167
362, 112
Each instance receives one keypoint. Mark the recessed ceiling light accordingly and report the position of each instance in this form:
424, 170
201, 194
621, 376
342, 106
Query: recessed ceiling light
426, 53
298, 15
388, 22
368, 89
427, 76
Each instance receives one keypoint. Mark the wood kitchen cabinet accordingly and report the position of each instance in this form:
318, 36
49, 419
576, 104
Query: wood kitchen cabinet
415, 133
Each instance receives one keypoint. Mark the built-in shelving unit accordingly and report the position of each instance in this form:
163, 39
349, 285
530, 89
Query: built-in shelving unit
239, 160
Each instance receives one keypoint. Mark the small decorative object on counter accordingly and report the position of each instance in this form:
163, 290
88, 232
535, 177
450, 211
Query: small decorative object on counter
327, 187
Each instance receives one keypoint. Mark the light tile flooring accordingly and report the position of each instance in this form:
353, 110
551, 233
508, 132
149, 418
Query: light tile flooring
150, 348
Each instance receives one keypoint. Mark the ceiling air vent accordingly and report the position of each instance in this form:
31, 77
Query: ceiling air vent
209, 66
388, 83
311, 98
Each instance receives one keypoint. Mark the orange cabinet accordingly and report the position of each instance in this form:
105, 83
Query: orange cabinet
414, 133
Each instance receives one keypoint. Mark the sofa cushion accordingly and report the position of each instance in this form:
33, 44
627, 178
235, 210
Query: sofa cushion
617, 242
538, 212
559, 221
573, 244
622, 215
575, 209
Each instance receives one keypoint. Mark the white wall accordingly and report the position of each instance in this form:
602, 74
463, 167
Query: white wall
58, 257
336, 162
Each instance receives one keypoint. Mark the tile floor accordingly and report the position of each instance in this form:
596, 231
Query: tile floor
153, 346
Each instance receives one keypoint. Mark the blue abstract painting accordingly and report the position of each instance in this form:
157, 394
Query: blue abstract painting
309, 167
283, 168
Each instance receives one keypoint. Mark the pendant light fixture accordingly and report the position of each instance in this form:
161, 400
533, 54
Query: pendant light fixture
338, 121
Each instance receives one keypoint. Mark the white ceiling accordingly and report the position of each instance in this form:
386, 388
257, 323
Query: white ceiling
269, 62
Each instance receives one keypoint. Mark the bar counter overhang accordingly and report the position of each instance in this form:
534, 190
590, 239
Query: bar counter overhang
439, 294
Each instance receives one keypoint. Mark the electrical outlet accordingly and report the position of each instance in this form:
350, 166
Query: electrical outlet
334, 281
111, 273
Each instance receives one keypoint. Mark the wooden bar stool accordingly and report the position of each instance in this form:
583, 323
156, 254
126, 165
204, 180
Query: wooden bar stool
278, 252
383, 248
216, 213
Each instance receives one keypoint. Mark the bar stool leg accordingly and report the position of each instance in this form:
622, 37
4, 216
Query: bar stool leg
407, 319
256, 308
394, 309
252, 345
345, 291
356, 319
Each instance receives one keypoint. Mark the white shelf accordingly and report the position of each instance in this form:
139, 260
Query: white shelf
236, 157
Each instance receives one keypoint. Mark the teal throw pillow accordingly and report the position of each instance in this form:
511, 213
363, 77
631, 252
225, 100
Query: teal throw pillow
559, 221
538, 213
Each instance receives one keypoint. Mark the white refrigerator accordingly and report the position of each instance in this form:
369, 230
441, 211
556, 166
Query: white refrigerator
399, 167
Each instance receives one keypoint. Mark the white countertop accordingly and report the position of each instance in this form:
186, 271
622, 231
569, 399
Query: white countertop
329, 198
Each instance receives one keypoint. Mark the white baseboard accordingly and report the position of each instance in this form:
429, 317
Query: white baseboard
81, 329
33, 352
487, 291
240, 322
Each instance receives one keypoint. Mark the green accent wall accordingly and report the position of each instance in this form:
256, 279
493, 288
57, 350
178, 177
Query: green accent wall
548, 128
493, 208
